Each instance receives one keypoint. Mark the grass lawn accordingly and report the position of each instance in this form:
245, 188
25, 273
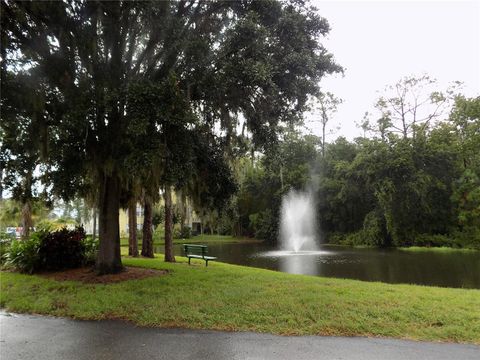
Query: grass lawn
437, 249
204, 239
234, 298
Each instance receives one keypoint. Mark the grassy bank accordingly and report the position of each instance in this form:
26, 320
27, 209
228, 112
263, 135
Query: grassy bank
203, 239
229, 297
443, 249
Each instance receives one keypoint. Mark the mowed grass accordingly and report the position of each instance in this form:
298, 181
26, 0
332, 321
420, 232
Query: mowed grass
236, 298
200, 239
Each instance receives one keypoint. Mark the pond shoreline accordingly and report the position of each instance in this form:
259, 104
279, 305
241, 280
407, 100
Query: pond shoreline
228, 239
262, 301
434, 267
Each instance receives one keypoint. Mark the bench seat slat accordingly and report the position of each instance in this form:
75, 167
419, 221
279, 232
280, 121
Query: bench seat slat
201, 257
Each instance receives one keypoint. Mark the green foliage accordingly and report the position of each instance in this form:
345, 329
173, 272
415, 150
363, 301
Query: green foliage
467, 195
50, 225
23, 254
265, 225
228, 219
158, 216
11, 212
373, 232
185, 233
56, 250
62, 249
468, 237
429, 240
285, 165
90, 249
387, 191
407, 183
137, 95
5, 242
444, 249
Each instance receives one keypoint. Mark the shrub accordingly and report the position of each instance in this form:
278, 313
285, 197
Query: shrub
5, 242
91, 249
158, 234
56, 250
23, 254
469, 237
265, 225
434, 240
373, 232
185, 233
45, 250
62, 249
335, 238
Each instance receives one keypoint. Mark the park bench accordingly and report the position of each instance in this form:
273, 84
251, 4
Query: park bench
197, 252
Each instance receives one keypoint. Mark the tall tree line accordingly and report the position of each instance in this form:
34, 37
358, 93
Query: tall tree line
384, 190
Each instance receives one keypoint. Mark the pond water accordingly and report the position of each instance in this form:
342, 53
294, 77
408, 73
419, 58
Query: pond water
449, 269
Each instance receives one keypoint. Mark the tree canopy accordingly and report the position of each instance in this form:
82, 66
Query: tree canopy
123, 84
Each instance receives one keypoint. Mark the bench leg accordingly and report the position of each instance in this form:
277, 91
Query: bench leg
189, 261
206, 263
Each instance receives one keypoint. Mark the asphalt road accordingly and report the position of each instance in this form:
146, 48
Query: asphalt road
42, 338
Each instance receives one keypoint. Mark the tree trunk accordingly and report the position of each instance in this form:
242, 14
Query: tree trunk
109, 260
182, 201
94, 223
27, 222
147, 241
324, 124
168, 225
132, 229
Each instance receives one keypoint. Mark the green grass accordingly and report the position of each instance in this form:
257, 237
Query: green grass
445, 249
204, 239
234, 298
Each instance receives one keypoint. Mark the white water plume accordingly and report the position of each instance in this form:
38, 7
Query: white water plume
298, 221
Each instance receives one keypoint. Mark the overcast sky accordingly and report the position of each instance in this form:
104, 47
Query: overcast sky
379, 42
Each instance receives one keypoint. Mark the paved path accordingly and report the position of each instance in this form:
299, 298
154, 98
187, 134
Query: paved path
48, 338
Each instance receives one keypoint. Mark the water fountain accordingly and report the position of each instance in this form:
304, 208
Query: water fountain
298, 222
299, 252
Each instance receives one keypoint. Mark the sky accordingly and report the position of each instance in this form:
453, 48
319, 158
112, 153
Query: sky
379, 42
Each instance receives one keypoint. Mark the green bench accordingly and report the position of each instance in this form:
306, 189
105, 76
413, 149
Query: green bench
197, 252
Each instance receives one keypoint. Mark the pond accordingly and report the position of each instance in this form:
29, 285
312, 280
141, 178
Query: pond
449, 269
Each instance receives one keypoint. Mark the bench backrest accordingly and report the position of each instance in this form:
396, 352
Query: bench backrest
195, 249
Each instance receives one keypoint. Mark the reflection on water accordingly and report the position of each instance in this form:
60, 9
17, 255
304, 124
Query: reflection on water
300, 262
286, 253
298, 265
451, 269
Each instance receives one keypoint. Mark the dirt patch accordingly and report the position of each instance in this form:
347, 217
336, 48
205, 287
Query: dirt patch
88, 275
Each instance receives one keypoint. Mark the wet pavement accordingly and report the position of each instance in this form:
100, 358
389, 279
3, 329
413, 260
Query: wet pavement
42, 338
